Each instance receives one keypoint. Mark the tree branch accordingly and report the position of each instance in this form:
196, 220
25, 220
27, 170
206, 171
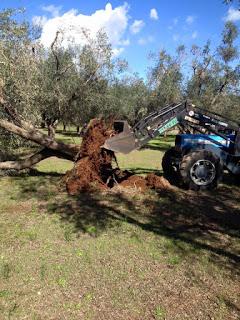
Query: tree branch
54, 52
25, 163
11, 112
32, 160
40, 138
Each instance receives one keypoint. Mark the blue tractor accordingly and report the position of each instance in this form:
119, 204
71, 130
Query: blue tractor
197, 160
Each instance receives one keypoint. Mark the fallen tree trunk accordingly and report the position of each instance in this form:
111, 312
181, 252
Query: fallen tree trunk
33, 159
40, 138
26, 130
51, 146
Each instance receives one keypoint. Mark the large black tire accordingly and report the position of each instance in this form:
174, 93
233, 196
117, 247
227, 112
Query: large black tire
201, 170
170, 165
237, 179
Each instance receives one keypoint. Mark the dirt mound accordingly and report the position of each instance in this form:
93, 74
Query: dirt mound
93, 168
94, 164
151, 181
156, 182
136, 182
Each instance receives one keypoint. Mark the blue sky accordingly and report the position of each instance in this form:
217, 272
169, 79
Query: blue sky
133, 30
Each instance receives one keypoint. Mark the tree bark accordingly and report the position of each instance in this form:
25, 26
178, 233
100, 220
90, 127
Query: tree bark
26, 130
40, 138
220, 91
52, 126
26, 163
51, 131
32, 160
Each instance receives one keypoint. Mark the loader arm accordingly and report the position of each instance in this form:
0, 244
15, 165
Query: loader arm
160, 121
146, 129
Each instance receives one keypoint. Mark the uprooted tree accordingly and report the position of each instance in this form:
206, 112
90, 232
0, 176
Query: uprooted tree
72, 84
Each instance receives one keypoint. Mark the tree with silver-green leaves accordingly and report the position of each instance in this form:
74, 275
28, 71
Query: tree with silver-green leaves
72, 84
165, 78
59, 84
129, 98
215, 75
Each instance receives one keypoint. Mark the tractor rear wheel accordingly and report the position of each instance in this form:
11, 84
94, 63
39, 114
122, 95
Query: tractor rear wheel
237, 179
170, 165
201, 170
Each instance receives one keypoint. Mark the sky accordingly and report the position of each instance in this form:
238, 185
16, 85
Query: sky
135, 28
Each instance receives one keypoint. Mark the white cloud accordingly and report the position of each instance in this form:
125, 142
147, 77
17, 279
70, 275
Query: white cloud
125, 42
144, 41
175, 21
153, 14
137, 26
194, 35
71, 23
39, 20
233, 15
175, 37
55, 11
117, 51
190, 19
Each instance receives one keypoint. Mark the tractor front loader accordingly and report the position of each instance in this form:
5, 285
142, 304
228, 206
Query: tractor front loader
197, 160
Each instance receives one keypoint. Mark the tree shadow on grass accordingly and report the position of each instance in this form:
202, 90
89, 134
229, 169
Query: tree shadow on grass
140, 170
72, 134
207, 222
37, 173
37, 185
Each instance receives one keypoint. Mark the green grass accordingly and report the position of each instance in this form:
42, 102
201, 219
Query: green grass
159, 313
141, 162
116, 255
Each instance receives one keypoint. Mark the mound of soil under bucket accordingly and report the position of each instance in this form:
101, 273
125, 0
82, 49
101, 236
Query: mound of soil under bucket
94, 166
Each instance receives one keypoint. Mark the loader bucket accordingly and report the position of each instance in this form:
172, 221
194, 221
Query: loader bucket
124, 141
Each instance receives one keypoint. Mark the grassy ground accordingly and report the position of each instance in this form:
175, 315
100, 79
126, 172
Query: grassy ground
117, 255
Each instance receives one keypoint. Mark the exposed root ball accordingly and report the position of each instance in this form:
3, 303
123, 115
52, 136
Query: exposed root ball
93, 168
94, 164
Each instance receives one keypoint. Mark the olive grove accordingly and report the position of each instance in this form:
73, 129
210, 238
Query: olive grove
42, 87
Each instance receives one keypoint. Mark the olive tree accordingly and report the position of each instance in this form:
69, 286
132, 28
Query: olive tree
215, 77
58, 84
165, 78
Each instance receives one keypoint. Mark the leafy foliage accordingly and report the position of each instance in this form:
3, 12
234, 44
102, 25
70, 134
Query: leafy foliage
72, 84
